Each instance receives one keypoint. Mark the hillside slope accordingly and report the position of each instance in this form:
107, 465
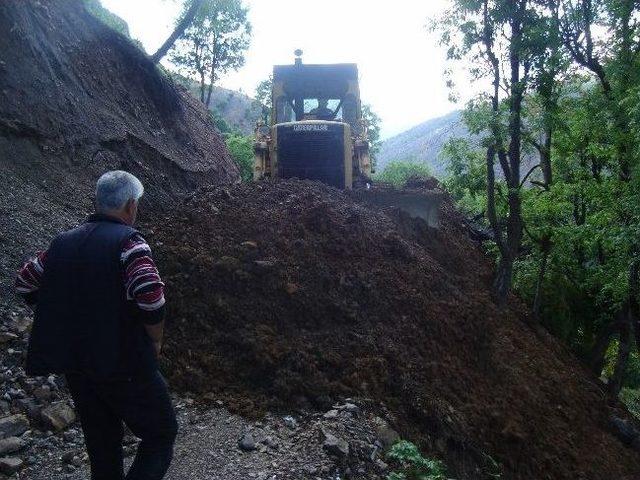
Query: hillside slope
423, 142
237, 109
76, 99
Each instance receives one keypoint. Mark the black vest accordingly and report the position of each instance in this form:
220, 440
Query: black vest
83, 321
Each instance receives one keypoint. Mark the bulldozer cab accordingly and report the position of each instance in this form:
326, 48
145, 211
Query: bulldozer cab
316, 92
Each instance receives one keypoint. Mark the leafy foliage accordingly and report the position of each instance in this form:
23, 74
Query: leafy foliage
373, 125
466, 180
111, 19
221, 124
263, 98
631, 398
579, 199
398, 173
213, 43
413, 466
241, 150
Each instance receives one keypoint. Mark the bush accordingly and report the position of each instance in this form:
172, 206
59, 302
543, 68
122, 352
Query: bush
631, 398
398, 173
105, 16
241, 150
413, 466
220, 123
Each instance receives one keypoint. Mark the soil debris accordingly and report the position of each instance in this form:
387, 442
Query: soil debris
291, 293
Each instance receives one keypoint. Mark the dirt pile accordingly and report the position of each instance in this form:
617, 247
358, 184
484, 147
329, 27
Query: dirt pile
291, 293
76, 99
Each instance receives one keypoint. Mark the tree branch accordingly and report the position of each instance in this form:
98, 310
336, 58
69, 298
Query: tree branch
529, 173
179, 30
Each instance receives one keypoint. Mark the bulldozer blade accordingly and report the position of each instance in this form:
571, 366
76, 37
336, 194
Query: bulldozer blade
424, 204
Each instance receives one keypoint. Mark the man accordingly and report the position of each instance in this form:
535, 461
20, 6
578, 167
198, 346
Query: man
99, 306
322, 111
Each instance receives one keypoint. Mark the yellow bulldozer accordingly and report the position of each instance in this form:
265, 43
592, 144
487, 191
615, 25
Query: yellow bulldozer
317, 132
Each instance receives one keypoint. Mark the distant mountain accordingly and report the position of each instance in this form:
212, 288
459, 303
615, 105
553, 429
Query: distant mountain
423, 142
240, 111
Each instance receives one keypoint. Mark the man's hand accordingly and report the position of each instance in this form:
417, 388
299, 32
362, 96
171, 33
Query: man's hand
155, 334
158, 348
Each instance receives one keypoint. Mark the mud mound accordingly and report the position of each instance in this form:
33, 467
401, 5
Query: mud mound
291, 293
76, 99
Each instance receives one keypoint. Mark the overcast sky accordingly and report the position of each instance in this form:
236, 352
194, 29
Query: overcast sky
400, 64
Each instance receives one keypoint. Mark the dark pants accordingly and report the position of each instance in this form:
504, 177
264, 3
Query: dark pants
144, 405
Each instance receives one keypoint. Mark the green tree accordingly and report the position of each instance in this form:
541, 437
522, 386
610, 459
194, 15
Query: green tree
372, 121
191, 9
400, 172
214, 42
577, 263
466, 176
263, 98
502, 40
111, 19
241, 150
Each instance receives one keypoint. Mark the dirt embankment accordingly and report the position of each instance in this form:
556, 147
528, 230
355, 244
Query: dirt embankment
77, 99
293, 294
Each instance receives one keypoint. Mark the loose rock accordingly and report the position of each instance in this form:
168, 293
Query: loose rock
13, 425
387, 435
11, 445
10, 465
335, 445
247, 442
58, 415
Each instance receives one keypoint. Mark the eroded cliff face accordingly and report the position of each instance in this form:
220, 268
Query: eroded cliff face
77, 99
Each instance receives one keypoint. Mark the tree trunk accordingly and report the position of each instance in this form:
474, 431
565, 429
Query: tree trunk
512, 174
624, 347
599, 350
179, 30
634, 301
628, 327
202, 87
545, 156
537, 300
210, 89
504, 276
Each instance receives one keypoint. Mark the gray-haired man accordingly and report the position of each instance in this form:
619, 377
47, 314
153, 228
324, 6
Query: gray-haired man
99, 320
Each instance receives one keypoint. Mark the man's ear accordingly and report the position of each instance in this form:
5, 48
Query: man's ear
130, 206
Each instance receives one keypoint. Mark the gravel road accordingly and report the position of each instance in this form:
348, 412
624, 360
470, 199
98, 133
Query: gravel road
344, 442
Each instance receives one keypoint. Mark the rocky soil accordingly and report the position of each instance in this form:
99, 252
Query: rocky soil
40, 437
293, 294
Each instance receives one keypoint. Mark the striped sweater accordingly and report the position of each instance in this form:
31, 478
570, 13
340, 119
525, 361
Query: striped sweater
140, 277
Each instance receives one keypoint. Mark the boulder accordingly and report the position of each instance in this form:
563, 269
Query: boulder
13, 425
58, 415
43, 393
290, 422
247, 442
331, 414
29, 407
387, 435
11, 445
10, 465
335, 445
7, 337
